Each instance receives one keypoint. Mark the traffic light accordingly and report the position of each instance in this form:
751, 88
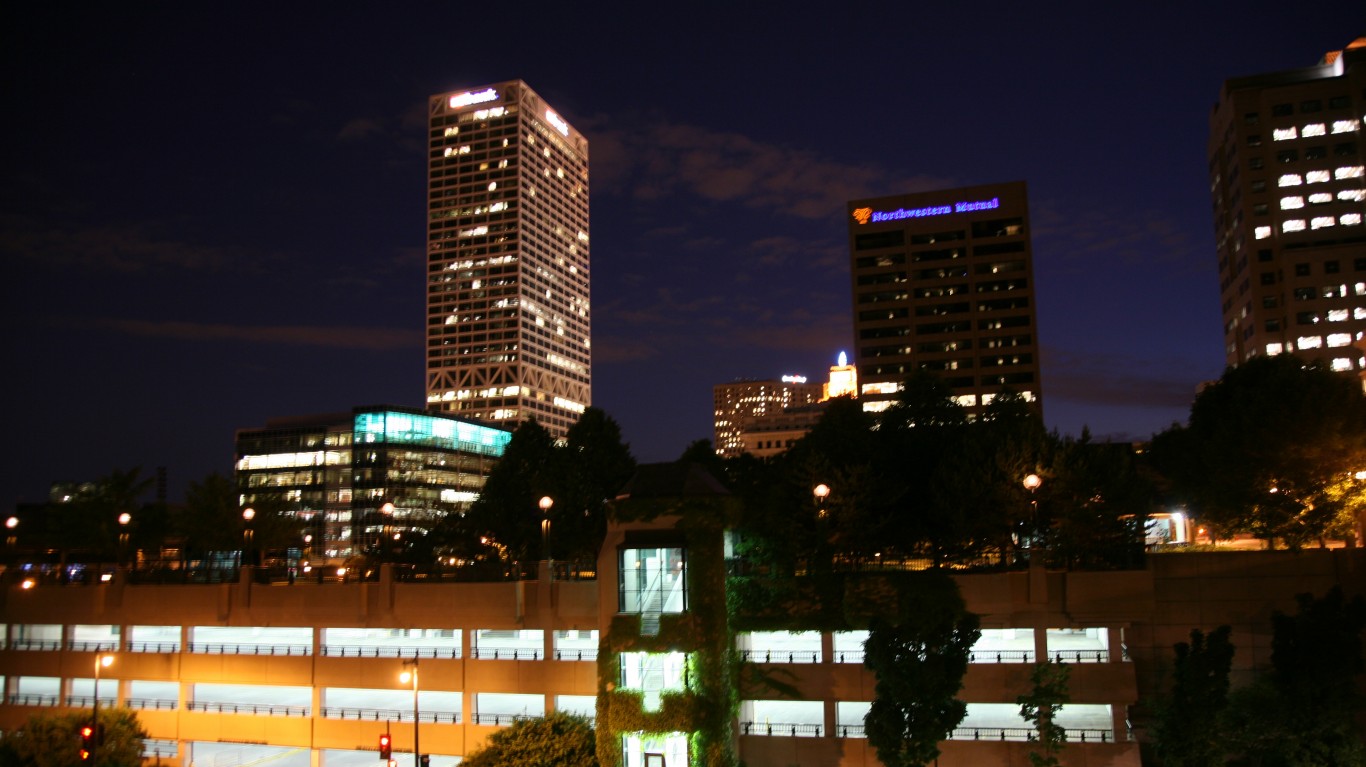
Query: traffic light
386, 748
87, 742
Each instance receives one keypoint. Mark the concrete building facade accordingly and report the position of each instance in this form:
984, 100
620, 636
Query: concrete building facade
308, 675
1286, 170
508, 313
943, 281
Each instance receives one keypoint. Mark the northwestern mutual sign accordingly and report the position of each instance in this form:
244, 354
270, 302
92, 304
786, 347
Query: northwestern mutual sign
866, 215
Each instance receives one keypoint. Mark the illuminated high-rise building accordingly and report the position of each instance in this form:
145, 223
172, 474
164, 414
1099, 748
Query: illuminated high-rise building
765, 418
507, 259
943, 281
1286, 162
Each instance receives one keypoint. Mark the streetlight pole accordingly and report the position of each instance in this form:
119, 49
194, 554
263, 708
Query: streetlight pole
124, 519
545, 503
100, 662
248, 514
1031, 483
404, 677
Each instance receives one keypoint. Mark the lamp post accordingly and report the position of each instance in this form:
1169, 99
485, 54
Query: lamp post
545, 503
12, 532
124, 519
404, 677
101, 661
821, 492
248, 514
1031, 483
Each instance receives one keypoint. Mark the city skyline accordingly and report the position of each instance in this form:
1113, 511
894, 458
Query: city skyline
211, 223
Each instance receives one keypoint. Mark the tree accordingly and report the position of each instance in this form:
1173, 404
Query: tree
211, 519
1095, 504
557, 740
1040, 708
919, 662
1265, 448
1304, 711
1188, 731
54, 740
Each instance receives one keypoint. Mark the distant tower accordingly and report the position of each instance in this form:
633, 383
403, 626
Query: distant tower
943, 281
507, 259
1286, 172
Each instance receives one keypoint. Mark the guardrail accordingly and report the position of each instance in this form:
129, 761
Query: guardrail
499, 653
782, 656
373, 651
154, 647
781, 729
389, 715
502, 720
248, 708
218, 648
34, 700
577, 655
156, 704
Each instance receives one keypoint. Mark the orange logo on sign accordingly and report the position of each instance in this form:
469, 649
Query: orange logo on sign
862, 215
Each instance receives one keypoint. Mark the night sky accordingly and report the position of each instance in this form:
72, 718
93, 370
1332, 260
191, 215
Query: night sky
212, 214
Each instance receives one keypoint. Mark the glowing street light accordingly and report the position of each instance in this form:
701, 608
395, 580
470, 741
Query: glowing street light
545, 503
821, 492
101, 661
407, 676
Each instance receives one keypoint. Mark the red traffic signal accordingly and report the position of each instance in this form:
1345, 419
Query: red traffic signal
87, 742
385, 746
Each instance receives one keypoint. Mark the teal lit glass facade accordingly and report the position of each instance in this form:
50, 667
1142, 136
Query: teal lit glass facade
398, 427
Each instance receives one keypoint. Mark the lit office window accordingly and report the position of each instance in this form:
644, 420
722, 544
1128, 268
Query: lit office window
1336, 340
1346, 126
1341, 364
1274, 348
1352, 195
1317, 176
1320, 198
1348, 171
1293, 225
1320, 222
1284, 134
1292, 203
1314, 129
1290, 179
1262, 232
1309, 342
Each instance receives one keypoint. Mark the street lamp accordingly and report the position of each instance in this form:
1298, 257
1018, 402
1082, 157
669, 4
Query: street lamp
101, 661
248, 514
405, 677
821, 492
1031, 483
11, 532
545, 503
124, 519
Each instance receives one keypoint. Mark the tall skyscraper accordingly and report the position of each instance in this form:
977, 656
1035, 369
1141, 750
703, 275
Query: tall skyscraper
507, 259
943, 281
1286, 172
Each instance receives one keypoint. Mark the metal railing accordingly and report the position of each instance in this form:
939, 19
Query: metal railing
34, 700
86, 701
248, 708
107, 645
36, 644
1081, 656
156, 704
389, 715
783, 656
154, 647
781, 729
218, 648
1029, 734
577, 655
502, 720
500, 653
1001, 656
375, 651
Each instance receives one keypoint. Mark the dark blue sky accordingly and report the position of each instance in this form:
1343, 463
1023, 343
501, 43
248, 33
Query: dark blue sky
212, 213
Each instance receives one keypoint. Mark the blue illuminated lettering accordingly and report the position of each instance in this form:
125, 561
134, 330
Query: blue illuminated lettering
933, 210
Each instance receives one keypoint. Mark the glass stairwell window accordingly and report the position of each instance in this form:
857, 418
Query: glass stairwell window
652, 581
653, 674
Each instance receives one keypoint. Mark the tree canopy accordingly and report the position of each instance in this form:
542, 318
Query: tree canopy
54, 740
557, 740
1271, 449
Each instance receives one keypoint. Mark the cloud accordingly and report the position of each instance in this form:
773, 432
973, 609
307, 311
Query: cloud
1120, 380
126, 248
358, 338
359, 129
1144, 237
658, 159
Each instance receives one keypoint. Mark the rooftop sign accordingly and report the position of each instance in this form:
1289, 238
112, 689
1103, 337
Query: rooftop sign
867, 215
473, 97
